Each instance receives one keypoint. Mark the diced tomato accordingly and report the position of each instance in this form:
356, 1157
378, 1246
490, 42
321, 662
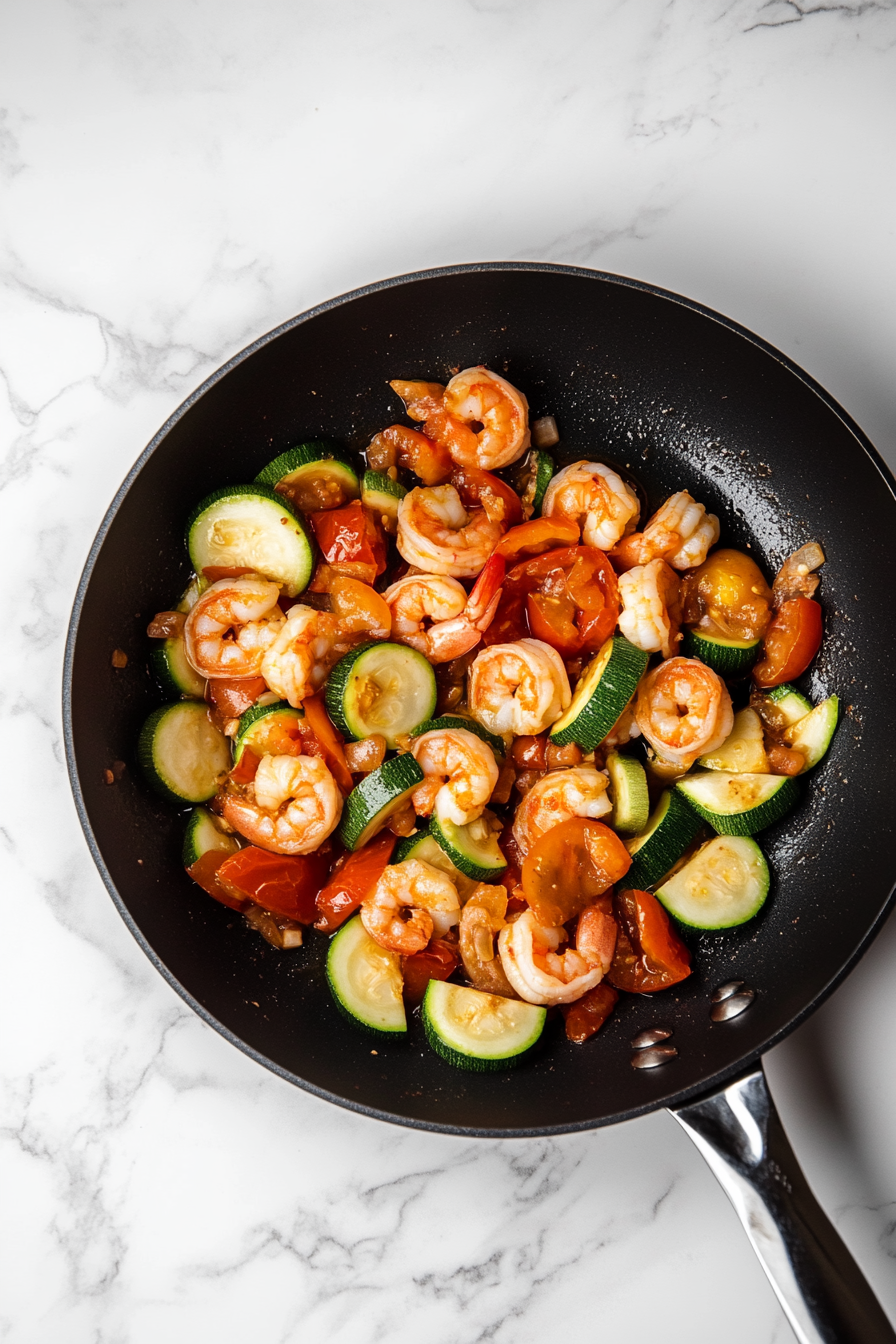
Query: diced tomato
246, 768
353, 881
215, 572
791, 642
512, 876
437, 961
482, 489
350, 535
570, 866
588, 1014
318, 721
568, 597
205, 872
537, 536
285, 884
649, 954
232, 697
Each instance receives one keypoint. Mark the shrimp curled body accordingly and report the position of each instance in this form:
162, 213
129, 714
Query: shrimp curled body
301, 656
519, 688
231, 626
291, 806
438, 535
478, 397
580, 791
481, 919
681, 532
409, 902
595, 497
540, 973
456, 626
461, 774
684, 710
651, 607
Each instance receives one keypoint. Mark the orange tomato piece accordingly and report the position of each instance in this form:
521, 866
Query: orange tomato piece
588, 1014
791, 642
537, 536
231, 697
205, 873
320, 724
649, 954
570, 866
285, 884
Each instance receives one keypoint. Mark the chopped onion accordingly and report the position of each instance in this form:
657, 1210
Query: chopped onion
544, 432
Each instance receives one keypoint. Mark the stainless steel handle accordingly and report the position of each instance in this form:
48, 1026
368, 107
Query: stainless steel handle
825, 1296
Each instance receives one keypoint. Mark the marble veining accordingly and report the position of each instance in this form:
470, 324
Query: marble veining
175, 181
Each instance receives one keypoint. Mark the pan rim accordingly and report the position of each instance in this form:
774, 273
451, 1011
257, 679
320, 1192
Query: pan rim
706, 1085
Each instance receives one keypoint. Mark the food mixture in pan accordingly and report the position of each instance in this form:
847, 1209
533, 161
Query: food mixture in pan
499, 736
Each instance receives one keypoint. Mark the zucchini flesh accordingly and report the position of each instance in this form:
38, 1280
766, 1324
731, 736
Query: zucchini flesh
365, 980
380, 688
532, 478
451, 722
724, 884
380, 794
202, 835
424, 846
671, 828
473, 848
168, 661
182, 753
628, 790
728, 657
790, 702
313, 476
812, 734
743, 751
605, 688
739, 804
252, 527
382, 495
477, 1031
260, 726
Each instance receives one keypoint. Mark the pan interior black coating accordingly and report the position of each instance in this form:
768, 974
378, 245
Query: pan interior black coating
634, 376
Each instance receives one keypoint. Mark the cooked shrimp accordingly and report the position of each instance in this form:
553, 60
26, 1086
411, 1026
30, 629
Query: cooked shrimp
519, 688
481, 919
460, 771
231, 626
439, 536
479, 397
684, 710
681, 532
624, 729
651, 602
290, 807
421, 400
407, 904
457, 621
580, 791
597, 499
302, 654
541, 974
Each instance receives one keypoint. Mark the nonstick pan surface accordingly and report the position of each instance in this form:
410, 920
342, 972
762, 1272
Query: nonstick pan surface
636, 376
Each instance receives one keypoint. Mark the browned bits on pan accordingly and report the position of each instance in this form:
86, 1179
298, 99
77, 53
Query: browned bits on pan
113, 775
119, 658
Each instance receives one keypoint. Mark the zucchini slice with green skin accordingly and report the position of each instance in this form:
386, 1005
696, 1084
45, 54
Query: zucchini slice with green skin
724, 884
789, 702
169, 665
628, 790
383, 495
605, 688
743, 751
477, 1031
451, 722
366, 982
204, 834
739, 804
380, 688
314, 475
380, 794
424, 846
532, 477
260, 724
182, 753
473, 848
252, 527
728, 657
671, 828
812, 734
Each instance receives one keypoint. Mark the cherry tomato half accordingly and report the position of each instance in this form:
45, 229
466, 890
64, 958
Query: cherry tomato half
205, 872
437, 961
791, 642
349, 535
570, 866
353, 881
649, 954
569, 598
483, 490
537, 536
285, 884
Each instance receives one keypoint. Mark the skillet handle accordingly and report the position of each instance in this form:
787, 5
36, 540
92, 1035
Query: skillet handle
824, 1294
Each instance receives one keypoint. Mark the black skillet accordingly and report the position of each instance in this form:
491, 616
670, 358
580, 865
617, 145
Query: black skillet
679, 396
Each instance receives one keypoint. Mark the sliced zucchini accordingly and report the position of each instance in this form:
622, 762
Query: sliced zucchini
671, 828
532, 477
365, 980
380, 688
182, 753
604, 689
728, 657
251, 526
424, 846
261, 724
743, 751
447, 722
380, 794
628, 791
382, 495
789, 702
314, 475
739, 804
478, 1031
472, 848
724, 884
204, 834
169, 665
812, 734
192, 593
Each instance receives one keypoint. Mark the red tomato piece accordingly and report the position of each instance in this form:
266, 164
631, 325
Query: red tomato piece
354, 880
285, 884
483, 490
318, 721
247, 767
349, 535
205, 872
649, 954
791, 642
571, 866
588, 1014
537, 536
437, 961
568, 597
232, 697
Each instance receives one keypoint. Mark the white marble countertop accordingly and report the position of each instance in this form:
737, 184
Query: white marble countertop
177, 180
